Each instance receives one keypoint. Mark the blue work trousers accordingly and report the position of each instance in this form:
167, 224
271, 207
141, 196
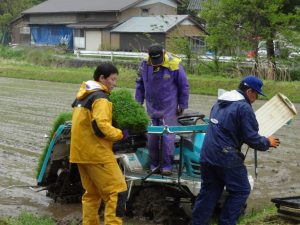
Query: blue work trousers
214, 179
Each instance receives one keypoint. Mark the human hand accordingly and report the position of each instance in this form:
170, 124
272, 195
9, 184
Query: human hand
179, 111
274, 141
125, 134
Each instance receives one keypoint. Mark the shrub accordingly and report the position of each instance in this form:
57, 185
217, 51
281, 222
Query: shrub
295, 75
41, 55
7, 52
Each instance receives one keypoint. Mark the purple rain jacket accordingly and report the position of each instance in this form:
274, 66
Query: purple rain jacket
164, 90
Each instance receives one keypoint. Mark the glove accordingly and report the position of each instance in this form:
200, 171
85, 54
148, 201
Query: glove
179, 111
125, 134
274, 142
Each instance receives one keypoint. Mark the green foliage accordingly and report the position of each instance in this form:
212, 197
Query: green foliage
232, 24
41, 55
10, 9
182, 45
127, 113
295, 75
11, 53
61, 119
26, 218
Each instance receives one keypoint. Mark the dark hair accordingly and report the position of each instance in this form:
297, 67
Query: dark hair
105, 69
243, 87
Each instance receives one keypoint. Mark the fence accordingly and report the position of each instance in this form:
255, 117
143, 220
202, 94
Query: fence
111, 54
141, 55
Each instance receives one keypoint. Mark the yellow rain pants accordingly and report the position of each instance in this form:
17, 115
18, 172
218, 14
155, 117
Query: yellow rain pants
103, 182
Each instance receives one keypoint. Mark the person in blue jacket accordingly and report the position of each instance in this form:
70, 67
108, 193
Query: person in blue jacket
232, 123
163, 84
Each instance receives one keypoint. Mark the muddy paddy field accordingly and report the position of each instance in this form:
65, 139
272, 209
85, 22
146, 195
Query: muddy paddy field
27, 111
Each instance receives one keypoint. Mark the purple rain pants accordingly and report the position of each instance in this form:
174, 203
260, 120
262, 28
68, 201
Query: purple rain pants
167, 145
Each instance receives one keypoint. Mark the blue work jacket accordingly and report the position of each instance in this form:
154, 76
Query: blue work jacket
232, 123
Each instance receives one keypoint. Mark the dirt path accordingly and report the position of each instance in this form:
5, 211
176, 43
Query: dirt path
27, 110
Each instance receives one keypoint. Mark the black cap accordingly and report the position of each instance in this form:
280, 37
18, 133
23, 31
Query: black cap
156, 54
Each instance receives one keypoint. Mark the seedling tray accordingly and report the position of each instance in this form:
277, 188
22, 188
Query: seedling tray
288, 207
293, 202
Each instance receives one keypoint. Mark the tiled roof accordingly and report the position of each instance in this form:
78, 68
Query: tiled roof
194, 5
150, 24
60, 6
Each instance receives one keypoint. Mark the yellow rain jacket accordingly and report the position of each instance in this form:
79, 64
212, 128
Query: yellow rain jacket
92, 137
92, 133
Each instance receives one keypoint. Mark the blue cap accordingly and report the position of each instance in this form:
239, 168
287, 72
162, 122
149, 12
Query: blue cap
253, 82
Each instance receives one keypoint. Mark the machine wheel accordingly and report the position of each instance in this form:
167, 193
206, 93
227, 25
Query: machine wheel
155, 203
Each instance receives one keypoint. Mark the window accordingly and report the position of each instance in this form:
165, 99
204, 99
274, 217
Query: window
197, 43
79, 33
145, 12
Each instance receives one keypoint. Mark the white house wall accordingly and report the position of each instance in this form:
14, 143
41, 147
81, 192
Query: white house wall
79, 43
93, 40
154, 8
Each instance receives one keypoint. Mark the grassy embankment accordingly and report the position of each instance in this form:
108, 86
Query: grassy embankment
263, 217
199, 84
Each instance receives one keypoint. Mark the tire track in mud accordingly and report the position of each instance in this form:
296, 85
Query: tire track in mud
27, 111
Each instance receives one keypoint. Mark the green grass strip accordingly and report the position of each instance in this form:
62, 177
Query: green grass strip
26, 218
204, 83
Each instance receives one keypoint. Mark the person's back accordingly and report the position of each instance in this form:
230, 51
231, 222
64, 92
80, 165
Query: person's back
232, 123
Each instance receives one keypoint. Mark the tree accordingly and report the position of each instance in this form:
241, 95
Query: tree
242, 24
10, 9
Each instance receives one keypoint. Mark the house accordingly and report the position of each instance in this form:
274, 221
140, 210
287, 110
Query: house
20, 30
137, 33
87, 25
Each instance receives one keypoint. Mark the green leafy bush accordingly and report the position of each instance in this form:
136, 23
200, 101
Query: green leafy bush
7, 52
295, 75
127, 113
41, 55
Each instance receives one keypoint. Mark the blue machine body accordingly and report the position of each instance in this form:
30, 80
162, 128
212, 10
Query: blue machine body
190, 146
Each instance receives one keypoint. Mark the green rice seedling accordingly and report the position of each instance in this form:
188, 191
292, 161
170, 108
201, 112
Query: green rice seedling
60, 119
127, 113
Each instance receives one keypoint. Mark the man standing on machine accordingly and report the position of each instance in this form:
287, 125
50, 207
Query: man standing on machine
162, 82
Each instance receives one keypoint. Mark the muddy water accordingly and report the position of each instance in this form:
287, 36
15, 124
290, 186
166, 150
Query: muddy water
27, 110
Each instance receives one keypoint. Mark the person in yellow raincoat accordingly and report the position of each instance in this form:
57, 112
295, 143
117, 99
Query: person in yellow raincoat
92, 137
